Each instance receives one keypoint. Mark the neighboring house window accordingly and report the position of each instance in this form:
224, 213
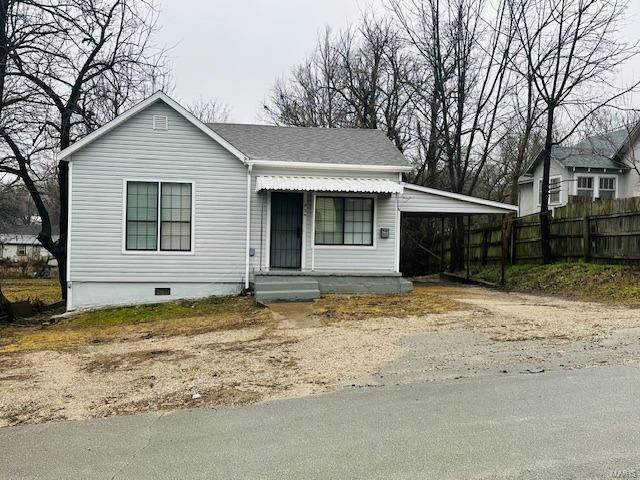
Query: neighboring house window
607, 187
344, 221
585, 187
555, 187
144, 211
21, 250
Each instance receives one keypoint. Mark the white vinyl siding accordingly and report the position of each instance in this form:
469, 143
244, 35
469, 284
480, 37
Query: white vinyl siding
183, 153
333, 258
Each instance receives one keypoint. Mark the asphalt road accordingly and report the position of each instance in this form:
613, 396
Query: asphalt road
578, 424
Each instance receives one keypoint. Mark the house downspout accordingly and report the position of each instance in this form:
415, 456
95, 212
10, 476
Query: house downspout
248, 229
69, 285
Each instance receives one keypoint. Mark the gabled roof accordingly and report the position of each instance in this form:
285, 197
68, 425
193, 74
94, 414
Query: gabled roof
598, 151
340, 148
358, 147
156, 97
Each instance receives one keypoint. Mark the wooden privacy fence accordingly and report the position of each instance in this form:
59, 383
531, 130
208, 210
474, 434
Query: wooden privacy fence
612, 237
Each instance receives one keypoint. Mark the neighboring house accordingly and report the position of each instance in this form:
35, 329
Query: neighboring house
602, 166
18, 242
163, 206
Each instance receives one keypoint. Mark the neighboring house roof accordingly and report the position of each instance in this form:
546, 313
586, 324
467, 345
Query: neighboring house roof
23, 234
598, 151
346, 146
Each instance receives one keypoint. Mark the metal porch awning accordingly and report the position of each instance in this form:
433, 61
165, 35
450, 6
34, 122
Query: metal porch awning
326, 184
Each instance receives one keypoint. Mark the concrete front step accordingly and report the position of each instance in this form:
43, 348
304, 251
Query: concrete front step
286, 286
281, 289
287, 296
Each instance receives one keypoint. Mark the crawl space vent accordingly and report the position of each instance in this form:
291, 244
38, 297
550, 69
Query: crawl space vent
160, 122
163, 291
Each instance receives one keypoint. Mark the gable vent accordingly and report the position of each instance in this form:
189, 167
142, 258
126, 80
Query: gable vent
160, 122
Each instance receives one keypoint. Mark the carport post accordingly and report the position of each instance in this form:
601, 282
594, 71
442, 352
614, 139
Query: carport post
503, 259
468, 246
442, 244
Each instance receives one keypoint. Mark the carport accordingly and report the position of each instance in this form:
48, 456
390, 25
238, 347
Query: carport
417, 201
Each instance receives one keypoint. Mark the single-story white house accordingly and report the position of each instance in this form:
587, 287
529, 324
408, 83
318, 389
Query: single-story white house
20, 242
163, 206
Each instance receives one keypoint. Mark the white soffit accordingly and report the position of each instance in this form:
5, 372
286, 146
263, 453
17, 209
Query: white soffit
327, 184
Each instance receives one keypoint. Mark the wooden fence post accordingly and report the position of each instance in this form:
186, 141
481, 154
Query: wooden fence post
514, 234
485, 245
586, 238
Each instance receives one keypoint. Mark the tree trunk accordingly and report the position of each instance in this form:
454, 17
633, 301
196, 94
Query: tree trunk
61, 246
545, 220
6, 313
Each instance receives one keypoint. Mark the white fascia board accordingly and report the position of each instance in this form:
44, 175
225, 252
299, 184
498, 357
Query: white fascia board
158, 96
329, 166
524, 181
464, 198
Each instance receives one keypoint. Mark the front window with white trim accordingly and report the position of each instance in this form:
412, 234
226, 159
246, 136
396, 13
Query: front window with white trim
607, 187
344, 221
158, 222
555, 188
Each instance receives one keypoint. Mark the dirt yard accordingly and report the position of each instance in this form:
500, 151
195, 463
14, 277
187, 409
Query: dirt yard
293, 350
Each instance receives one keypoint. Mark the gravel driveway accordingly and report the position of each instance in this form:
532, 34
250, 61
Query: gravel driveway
490, 333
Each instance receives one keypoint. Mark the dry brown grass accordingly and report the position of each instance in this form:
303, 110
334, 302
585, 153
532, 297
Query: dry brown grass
423, 300
36, 290
130, 323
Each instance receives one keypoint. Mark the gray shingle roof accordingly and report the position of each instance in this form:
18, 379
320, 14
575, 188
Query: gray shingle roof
593, 152
349, 146
23, 234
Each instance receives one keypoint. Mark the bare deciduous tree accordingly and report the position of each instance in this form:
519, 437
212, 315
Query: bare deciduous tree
355, 79
65, 69
571, 50
465, 46
209, 110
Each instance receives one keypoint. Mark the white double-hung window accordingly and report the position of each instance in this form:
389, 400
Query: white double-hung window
585, 187
159, 216
555, 187
607, 187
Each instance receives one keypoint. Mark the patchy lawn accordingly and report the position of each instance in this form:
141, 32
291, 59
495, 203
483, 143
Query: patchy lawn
186, 317
422, 301
36, 290
616, 284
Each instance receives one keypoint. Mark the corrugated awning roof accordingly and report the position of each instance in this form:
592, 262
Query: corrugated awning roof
327, 184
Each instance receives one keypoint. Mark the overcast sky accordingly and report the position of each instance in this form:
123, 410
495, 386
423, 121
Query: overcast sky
235, 50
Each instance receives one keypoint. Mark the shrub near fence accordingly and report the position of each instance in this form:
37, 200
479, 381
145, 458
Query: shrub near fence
605, 231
